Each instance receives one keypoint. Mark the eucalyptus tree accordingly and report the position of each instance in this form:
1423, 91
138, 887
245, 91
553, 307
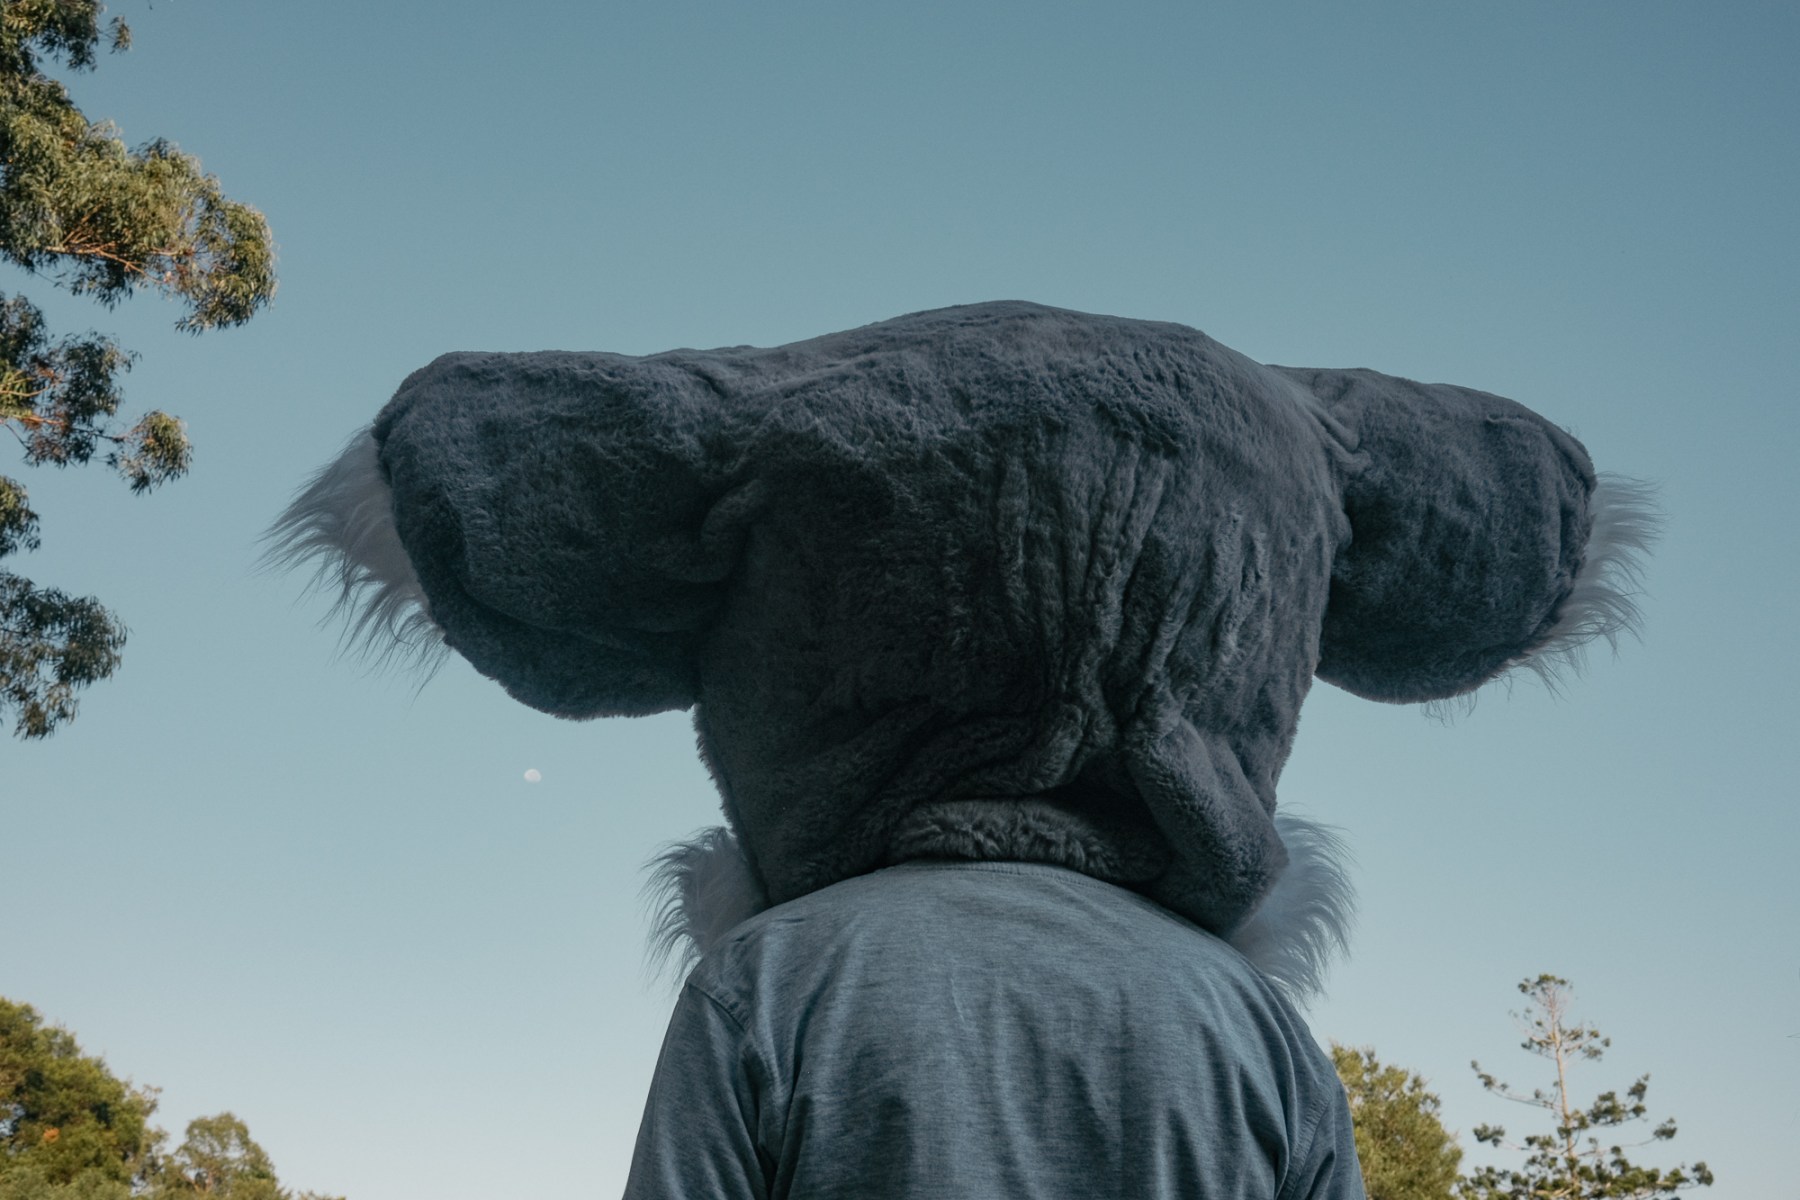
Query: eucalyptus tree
82, 211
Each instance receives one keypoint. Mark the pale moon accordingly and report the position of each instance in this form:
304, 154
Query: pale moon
533, 775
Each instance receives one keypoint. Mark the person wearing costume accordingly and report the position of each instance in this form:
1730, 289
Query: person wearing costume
995, 622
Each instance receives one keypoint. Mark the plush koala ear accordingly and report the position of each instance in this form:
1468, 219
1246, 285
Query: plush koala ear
555, 518
1481, 539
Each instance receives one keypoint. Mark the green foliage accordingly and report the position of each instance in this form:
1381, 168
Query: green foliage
1405, 1151
1572, 1160
70, 31
62, 1113
50, 644
18, 524
75, 201
30, 1183
219, 1158
71, 1130
82, 210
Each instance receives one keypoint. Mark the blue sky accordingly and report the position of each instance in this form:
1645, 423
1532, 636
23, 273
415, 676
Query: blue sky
265, 880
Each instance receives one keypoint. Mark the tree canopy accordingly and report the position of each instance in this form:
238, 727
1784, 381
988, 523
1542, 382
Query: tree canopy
81, 210
71, 1130
63, 1115
1405, 1151
1574, 1158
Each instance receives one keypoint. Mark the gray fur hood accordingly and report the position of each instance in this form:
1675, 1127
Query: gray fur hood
994, 581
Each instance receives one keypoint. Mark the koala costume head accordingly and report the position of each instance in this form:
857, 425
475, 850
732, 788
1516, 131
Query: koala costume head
997, 581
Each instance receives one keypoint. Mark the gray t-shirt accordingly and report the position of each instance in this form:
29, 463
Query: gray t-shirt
992, 1029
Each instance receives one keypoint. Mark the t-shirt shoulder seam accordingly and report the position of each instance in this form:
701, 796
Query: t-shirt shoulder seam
1303, 1146
758, 1059
728, 1009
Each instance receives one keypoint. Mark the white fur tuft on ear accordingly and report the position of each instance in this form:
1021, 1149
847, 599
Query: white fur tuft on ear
1603, 603
344, 519
1305, 919
699, 890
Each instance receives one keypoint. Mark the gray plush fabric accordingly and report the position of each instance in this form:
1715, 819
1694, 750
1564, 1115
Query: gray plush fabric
1471, 520
996, 581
